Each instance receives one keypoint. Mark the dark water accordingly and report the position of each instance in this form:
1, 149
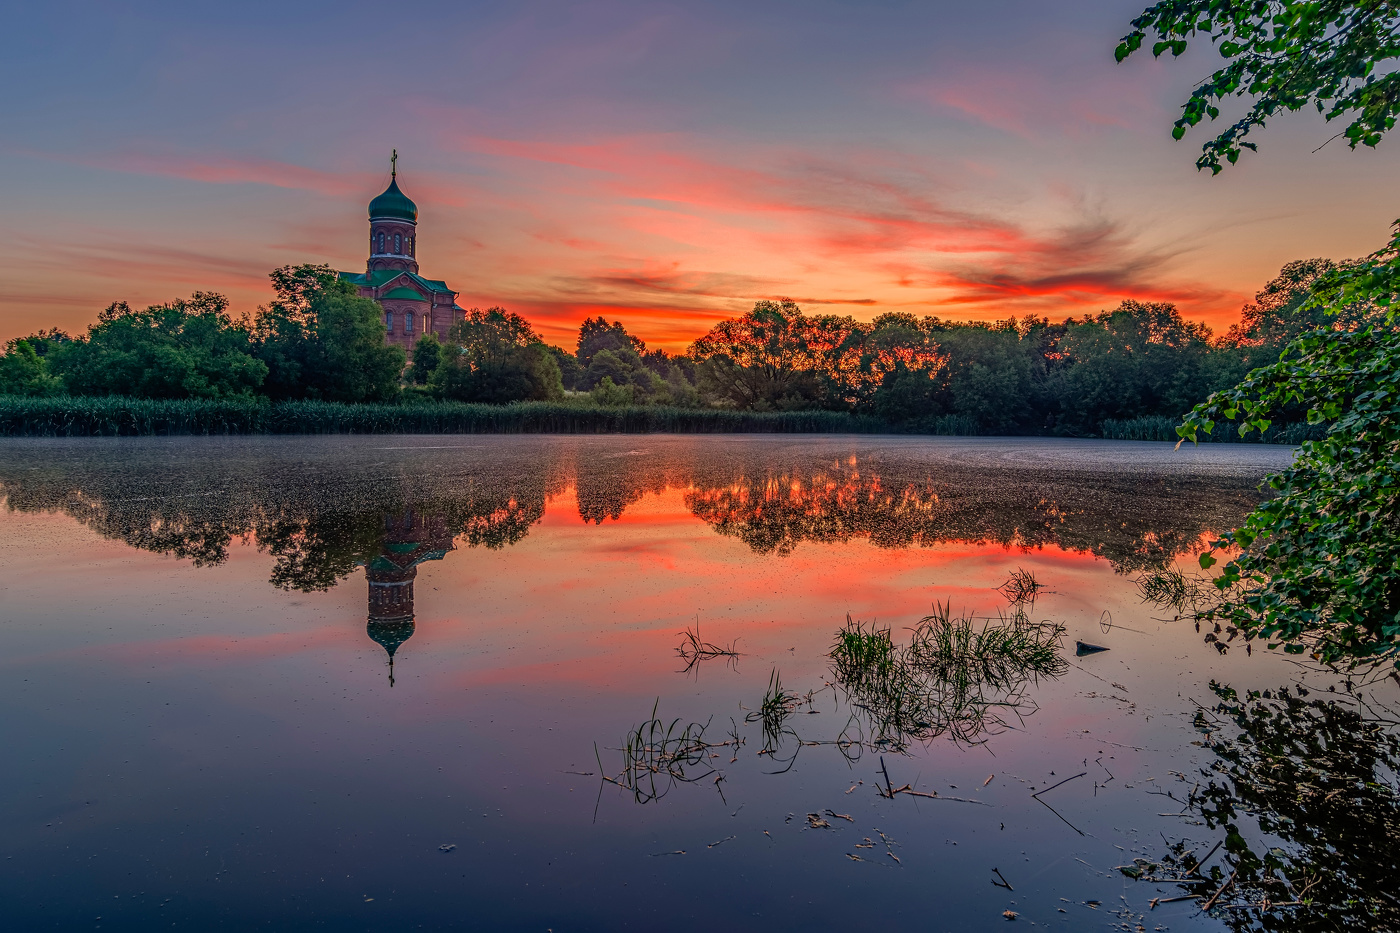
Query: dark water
203, 729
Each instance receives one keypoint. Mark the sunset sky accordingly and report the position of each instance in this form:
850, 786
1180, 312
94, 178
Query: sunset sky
664, 164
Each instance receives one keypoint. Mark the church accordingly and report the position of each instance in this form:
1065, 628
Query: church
413, 305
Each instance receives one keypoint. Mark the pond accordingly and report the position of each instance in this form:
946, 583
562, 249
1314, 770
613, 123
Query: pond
486, 683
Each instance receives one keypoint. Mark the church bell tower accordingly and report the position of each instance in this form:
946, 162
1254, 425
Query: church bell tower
393, 227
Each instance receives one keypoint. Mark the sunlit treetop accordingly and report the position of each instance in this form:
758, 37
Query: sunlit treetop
1285, 55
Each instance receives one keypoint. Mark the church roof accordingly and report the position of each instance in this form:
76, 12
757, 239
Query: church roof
381, 277
404, 293
393, 204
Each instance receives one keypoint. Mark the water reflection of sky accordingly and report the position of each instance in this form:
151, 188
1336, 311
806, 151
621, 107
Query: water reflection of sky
192, 745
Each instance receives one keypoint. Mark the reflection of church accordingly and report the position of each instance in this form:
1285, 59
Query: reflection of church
409, 539
413, 305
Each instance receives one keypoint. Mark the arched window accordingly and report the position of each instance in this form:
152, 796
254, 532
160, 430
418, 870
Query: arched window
398, 243
408, 322
389, 321
410, 244
381, 242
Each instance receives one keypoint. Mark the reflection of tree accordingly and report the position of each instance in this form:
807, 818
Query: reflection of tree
607, 487
1319, 777
315, 540
1125, 519
319, 510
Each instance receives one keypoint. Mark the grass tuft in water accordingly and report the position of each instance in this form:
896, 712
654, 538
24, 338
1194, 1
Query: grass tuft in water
1021, 587
693, 649
657, 755
777, 705
958, 676
1172, 588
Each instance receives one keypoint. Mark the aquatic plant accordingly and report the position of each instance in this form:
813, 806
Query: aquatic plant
958, 676
1163, 428
657, 755
109, 416
1020, 587
1171, 588
693, 649
777, 705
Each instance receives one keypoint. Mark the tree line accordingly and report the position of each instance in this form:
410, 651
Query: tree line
319, 340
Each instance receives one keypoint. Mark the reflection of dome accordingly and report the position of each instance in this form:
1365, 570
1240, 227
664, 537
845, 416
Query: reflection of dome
393, 204
409, 539
390, 633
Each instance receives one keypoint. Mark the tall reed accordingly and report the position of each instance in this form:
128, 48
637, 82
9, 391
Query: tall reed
118, 416
1162, 428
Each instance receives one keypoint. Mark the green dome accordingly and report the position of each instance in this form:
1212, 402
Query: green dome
390, 633
393, 204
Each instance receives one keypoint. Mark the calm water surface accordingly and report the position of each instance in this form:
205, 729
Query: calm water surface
367, 683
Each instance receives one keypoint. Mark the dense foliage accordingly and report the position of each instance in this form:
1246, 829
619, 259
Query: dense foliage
189, 348
1285, 55
320, 340
494, 356
1318, 566
1125, 372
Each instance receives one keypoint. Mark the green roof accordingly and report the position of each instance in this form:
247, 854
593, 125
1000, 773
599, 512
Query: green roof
381, 277
402, 292
393, 204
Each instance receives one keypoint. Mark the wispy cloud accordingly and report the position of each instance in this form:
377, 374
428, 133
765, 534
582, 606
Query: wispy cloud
871, 226
219, 169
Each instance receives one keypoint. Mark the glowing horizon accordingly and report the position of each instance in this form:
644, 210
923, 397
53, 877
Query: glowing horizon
662, 166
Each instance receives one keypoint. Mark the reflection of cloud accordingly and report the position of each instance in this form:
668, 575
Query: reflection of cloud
225, 648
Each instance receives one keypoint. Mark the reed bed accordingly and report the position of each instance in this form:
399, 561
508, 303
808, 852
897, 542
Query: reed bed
114, 416
1162, 428
119, 416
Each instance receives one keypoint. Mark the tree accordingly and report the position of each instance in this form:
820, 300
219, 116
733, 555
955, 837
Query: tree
24, 372
188, 348
1281, 311
1139, 359
987, 376
570, 371
1317, 567
319, 339
1285, 55
596, 334
495, 356
767, 359
427, 354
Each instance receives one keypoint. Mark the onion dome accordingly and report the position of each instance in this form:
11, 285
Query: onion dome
393, 204
391, 633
